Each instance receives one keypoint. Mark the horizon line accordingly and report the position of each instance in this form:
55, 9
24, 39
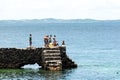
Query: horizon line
62, 19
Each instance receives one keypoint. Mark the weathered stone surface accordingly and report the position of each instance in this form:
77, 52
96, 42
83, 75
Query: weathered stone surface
66, 61
15, 58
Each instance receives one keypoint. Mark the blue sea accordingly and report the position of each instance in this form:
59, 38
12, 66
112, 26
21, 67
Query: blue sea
94, 47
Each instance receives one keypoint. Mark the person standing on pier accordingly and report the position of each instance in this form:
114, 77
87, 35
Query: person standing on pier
30, 40
50, 39
46, 41
54, 38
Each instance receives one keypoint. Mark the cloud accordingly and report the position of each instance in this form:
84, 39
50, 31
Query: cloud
66, 9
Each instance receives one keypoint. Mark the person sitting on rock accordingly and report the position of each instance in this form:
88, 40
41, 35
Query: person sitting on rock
54, 42
63, 43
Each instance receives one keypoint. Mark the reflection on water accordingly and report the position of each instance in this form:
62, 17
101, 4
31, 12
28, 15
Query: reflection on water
33, 74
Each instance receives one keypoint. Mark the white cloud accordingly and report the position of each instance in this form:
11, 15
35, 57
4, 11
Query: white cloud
66, 9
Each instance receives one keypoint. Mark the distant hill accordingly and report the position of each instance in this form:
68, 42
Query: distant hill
52, 20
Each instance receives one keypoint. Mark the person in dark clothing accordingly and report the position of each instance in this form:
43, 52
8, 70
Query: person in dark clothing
30, 40
54, 38
50, 39
63, 43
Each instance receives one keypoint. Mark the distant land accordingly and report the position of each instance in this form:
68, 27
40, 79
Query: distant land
52, 20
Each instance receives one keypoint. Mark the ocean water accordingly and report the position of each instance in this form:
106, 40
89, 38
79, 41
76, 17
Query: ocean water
95, 48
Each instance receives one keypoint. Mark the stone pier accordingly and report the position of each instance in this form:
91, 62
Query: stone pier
48, 58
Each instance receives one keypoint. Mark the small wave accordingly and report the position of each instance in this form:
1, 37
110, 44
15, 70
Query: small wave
31, 66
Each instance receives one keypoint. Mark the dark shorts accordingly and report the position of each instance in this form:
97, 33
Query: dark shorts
30, 43
46, 41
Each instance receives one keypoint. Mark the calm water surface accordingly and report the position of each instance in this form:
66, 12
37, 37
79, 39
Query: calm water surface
94, 47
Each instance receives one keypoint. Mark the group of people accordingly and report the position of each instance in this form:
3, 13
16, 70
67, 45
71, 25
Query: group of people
49, 41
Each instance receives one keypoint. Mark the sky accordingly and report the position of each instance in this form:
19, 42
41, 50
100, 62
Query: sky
60, 9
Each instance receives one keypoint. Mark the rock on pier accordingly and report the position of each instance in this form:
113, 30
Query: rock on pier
48, 58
